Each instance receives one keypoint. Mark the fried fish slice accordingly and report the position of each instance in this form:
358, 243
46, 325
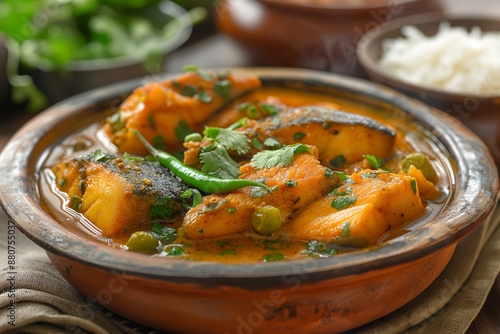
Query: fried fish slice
116, 193
340, 137
294, 187
361, 210
164, 112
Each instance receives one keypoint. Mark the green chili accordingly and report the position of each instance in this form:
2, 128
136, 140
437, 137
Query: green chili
195, 178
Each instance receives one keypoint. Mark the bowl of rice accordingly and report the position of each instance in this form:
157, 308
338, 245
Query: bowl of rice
451, 63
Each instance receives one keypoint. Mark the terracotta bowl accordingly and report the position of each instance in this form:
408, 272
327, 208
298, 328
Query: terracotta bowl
307, 296
479, 113
319, 35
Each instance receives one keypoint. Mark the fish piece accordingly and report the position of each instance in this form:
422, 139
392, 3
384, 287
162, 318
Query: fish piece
341, 137
164, 112
294, 187
116, 193
368, 204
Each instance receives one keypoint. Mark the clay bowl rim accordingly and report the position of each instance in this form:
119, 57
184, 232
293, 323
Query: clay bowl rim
475, 189
340, 8
369, 47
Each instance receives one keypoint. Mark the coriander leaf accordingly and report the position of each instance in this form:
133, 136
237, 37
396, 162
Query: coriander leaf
101, 156
165, 234
272, 143
281, 158
345, 231
413, 184
343, 202
270, 109
256, 143
369, 175
182, 130
231, 210
290, 183
238, 124
151, 121
338, 161
319, 249
204, 97
298, 136
176, 251
188, 91
129, 158
228, 252
159, 142
162, 208
327, 124
273, 257
223, 88
249, 108
257, 192
117, 121
219, 163
230, 139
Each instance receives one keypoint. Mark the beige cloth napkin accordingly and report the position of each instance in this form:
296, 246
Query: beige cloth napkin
46, 303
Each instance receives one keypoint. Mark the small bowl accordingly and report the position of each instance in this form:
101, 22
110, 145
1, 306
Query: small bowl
298, 296
479, 113
316, 35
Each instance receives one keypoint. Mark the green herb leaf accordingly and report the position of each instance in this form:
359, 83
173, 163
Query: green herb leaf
338, 161
298, 136
273, 257
272, 143
162, 208
258, 192
223, 88
219, 163
230, 139
249, 108
270, 109
159, 142
204, 97
281, 158
330, 173
290, 183
176, 251
413, 184
151, 121
327, 124
62, 183
345, 231
182, 130
343, 202
188, 91
117, 121
76, 203
101, 156
238, 124
256, 143
319, 249
369, 175
296, 200
231, 210
129, 158
195, 193
228, 252
200, 231
165, 234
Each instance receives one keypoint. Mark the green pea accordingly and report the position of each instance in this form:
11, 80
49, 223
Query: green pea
266, 220
422, 163
192, 137
142, 242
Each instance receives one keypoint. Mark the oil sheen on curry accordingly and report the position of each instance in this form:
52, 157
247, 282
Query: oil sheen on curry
216, 167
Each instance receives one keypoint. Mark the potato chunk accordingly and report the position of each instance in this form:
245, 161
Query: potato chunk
163, 112
377, 201
294, 187
115, 195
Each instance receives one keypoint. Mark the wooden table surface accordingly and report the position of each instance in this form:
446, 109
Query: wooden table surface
215, 50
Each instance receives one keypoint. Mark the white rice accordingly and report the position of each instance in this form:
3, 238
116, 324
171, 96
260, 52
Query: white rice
454, 59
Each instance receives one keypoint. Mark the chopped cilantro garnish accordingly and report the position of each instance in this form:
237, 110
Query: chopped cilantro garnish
151, 121
330, 173
162, 208
272, 143
281, 158
258, 192
228, 252
165, 234
413, 184
270, 109
129, 158
370, 175
291, 183
188, 90
204, 97
319, 249
182, 130
343, 202
76, 203
338, 161
376, 163
238, 124
230, 139
219, 163
159, 142
249, 108
345, 231
327, 124
298, 136
296, 201
200, 231
201, 72
62, 183
256, 143
117, 121
101, 156
176, 251
273, 257
231, 210
223, 88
